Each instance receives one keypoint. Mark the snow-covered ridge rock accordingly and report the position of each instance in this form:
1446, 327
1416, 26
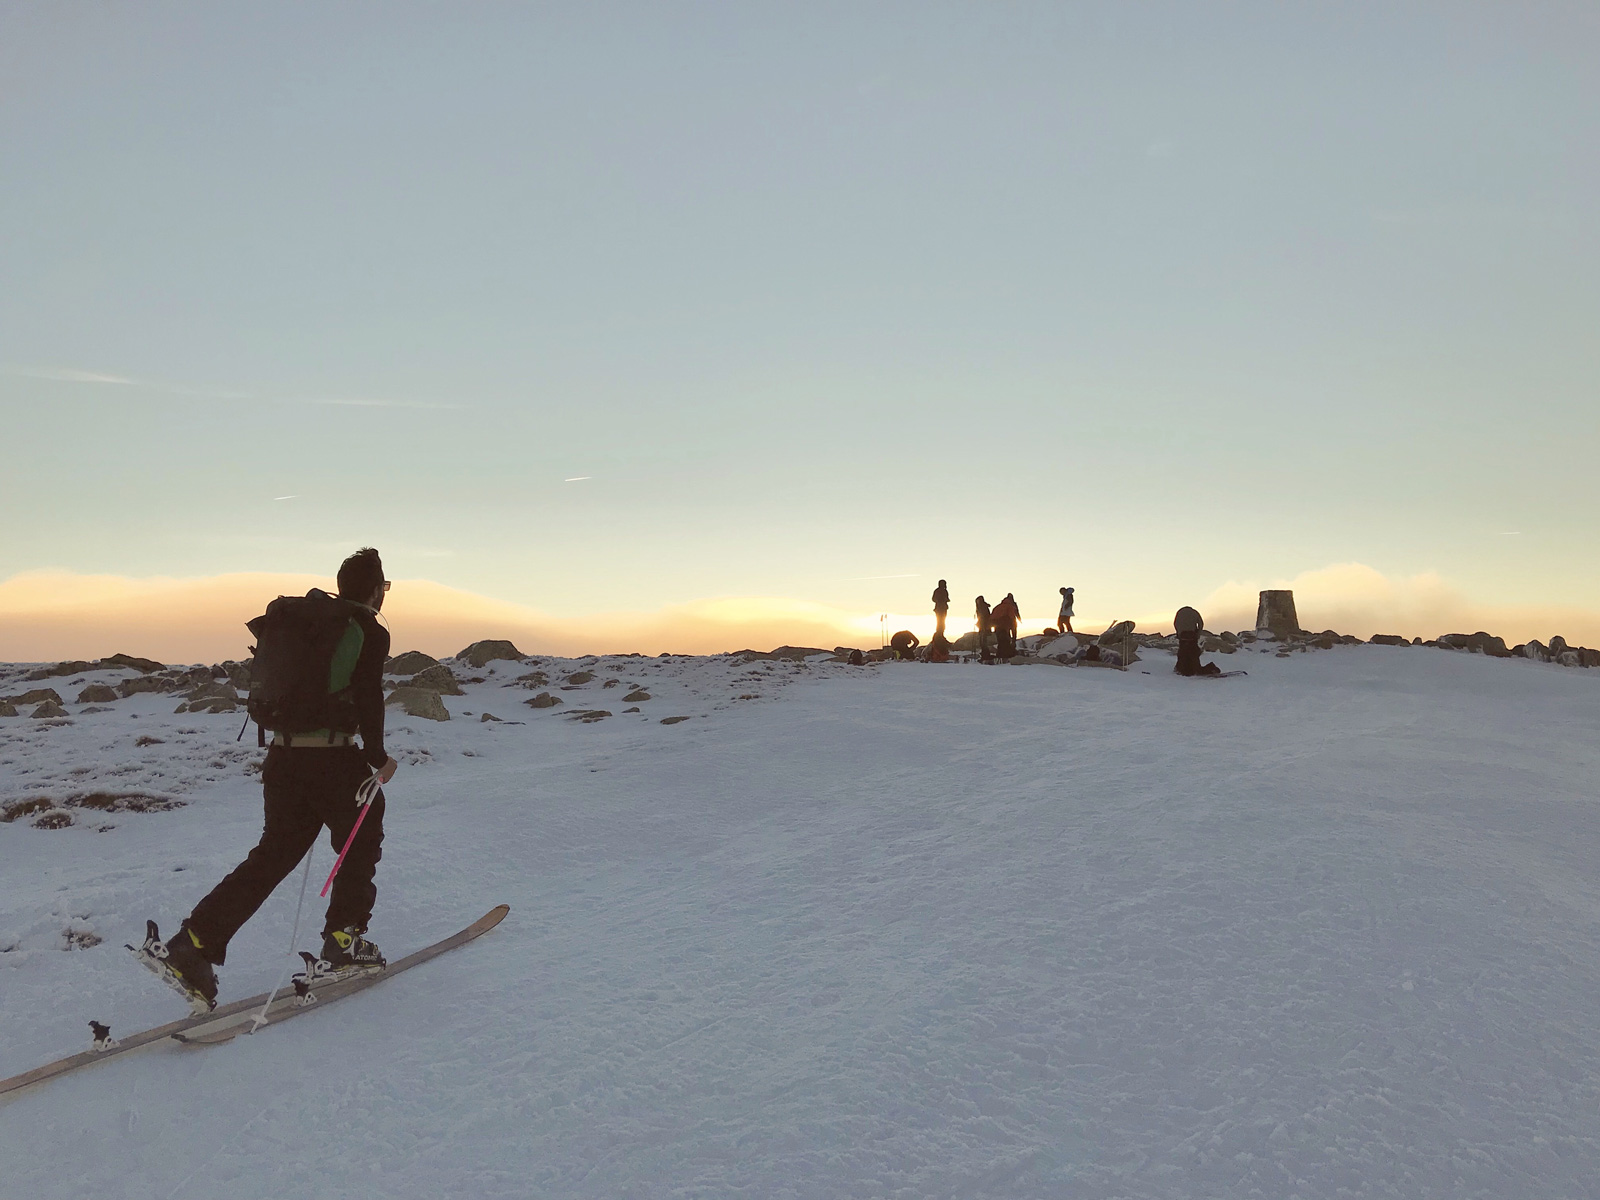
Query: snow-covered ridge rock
116, 738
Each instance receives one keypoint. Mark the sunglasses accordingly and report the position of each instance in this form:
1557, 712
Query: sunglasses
386, 585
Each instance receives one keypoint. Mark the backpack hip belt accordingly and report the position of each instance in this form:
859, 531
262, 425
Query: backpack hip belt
295, 741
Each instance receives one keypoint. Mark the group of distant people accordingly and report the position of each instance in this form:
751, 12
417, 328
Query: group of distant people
997, 632
997, 626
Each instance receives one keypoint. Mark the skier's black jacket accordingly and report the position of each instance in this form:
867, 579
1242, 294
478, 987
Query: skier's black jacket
366, 684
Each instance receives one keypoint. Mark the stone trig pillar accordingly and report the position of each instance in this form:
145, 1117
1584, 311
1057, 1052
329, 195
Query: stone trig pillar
1275, 614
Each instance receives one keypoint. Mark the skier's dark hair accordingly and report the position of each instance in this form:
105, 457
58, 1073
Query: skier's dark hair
360, 575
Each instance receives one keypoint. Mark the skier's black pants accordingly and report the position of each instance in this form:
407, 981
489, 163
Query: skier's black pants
304, 789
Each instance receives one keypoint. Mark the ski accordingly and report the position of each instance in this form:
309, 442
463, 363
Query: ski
243, 1011
217, 1030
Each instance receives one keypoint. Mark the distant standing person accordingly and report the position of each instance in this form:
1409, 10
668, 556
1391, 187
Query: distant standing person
1006, 618
985, 625
1064, 621
941, 608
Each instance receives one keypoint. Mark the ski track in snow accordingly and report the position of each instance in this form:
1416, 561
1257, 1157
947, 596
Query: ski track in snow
902, 931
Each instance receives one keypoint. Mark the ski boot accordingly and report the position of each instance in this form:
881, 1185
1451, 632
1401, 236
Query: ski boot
180, 966
345, 955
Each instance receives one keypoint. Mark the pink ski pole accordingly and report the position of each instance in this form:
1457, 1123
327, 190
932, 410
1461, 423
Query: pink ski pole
366, 793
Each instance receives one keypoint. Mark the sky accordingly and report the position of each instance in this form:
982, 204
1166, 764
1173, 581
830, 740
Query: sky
665, 319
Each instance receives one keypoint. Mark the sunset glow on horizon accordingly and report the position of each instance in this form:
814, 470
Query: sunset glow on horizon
1166, 302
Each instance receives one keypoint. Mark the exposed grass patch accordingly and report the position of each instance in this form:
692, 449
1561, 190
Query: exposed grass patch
23, 808
123, 802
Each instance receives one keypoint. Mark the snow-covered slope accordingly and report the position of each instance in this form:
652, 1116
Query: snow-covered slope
1329, 929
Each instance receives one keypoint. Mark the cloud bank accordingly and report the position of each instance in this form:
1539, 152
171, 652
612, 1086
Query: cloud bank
51, 615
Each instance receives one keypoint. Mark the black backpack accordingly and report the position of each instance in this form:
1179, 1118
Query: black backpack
305, 656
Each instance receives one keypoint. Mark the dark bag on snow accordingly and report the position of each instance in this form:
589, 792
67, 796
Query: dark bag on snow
305, 655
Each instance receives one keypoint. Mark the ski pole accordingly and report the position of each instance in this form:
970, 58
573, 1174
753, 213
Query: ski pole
365, 794
260, 1018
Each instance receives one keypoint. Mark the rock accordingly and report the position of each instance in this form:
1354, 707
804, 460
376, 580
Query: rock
579, 678
1558, 646
672, 720
437, 678
1215, 645
1477, 643
128, 660
239, 673
967, 643
1536, 651
50, 709
409, 663
1115, 635
149, 683
544, 700
588, 716
1567, 658
532, 679
97, 693
211, 690
481, 654
37, 696
419, 702
1325, 641
1062, 643
487, 717
795, 653
62, 668
210, 704
637, 696
1275, 613
7, 709
1389, 639
1590, 658
55, 819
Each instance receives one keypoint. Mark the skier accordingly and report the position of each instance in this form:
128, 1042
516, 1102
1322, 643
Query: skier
941, 607
309, 781
985, 624
1064, 620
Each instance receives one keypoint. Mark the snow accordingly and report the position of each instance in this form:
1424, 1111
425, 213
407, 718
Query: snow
1329, 929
